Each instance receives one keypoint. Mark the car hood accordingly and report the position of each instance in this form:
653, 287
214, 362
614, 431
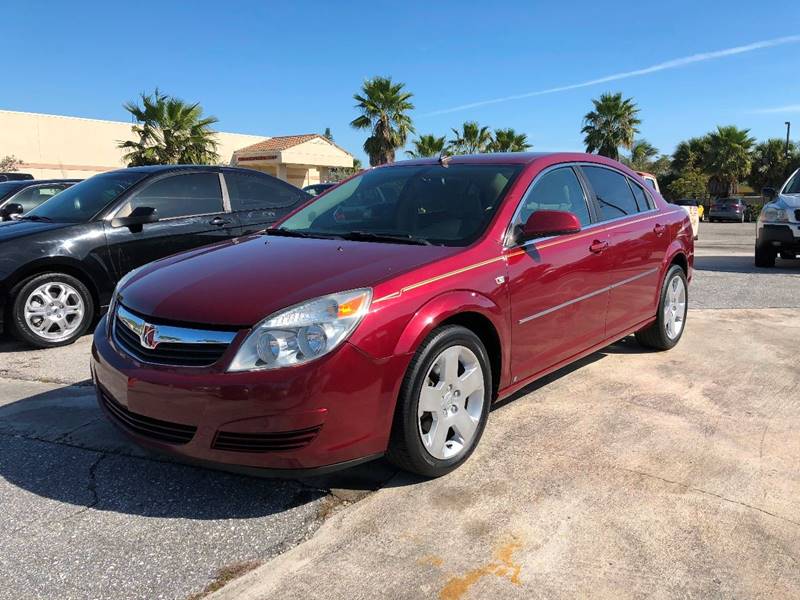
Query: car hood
790, 200
239, 283
11, 230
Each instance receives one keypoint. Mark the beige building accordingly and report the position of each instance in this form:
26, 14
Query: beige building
52, 146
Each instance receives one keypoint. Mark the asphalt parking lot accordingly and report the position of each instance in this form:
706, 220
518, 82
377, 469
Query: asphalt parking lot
632, 473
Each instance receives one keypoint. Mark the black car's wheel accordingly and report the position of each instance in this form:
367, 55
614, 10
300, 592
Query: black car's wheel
51, 309
667, 329
443, 405
765, 256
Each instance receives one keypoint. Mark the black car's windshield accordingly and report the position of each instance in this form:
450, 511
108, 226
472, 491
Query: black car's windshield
8, 188
793, 187
448, 205
82, 201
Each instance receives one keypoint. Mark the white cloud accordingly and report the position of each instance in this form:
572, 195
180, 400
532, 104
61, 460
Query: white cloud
670, 64
792, 108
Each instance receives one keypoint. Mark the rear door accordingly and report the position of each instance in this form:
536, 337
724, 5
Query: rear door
637, 243
258, 200
558, 286
191, 213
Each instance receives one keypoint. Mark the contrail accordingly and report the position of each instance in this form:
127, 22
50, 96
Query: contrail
670, 64
778, 109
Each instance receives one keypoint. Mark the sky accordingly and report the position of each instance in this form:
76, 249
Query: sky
269, 68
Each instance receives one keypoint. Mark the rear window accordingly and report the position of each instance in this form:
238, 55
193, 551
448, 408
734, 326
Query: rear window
250, 192
612, 192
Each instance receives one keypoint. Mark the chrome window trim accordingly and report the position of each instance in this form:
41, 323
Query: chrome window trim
172, 334
602, 290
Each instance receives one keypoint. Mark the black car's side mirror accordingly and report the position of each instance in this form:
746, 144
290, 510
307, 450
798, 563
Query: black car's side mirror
10, 210
769, 193
141, 215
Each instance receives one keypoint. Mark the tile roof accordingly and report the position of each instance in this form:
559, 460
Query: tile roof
281, 142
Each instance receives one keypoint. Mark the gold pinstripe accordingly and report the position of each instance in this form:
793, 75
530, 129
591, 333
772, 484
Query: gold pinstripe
513, 253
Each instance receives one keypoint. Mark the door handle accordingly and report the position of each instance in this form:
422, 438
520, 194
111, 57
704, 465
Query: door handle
219, 221
597, 246
659, 229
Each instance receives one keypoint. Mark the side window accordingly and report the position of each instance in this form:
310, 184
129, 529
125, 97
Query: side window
250, 192
180, 196
642, 199
612, 191
557, 190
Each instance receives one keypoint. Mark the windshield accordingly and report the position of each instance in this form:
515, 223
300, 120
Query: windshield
447, 205
793, 185
82, 201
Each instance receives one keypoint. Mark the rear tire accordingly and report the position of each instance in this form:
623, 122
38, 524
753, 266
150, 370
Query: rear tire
51, 310
765, 256
450, 375
666, 331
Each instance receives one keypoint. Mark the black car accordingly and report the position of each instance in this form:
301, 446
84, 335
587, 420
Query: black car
15, 176
21, 196
60, 262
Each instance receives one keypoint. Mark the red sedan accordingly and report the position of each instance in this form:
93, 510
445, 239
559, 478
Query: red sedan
386, 316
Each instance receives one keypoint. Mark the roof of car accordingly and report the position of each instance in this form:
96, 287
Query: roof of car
517, 158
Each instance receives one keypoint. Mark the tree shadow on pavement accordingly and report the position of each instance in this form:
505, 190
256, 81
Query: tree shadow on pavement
58, 445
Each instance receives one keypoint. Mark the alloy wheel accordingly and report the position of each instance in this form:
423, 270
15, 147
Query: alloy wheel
675, 307
54, 311
451, 403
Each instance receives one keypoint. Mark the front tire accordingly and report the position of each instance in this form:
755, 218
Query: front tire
50, 310
443, 405
765, 256
666, 331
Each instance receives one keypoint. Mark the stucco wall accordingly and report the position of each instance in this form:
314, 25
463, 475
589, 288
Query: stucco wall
58, 146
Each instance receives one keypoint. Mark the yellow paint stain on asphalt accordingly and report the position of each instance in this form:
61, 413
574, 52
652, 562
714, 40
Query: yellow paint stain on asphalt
432, 560
502, 566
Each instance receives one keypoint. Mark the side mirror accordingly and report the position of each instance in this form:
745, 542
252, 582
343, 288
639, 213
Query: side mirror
10, 210
769, 193
548, 222
141, 215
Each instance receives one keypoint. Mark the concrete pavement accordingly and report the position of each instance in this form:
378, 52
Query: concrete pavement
632, 475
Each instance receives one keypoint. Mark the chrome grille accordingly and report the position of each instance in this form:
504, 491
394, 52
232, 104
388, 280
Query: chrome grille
161, 344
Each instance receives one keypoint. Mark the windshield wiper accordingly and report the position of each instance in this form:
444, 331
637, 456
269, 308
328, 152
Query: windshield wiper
368, 236
301, 234
35, 218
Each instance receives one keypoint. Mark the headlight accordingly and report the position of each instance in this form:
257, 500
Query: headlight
303, 332
773, 214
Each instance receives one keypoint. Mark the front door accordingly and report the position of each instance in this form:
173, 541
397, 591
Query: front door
191, 214
558, 286
637, 244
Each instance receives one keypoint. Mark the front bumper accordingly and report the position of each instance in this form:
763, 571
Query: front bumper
331, 412
779, 235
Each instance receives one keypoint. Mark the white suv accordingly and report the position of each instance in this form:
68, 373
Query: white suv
779, 224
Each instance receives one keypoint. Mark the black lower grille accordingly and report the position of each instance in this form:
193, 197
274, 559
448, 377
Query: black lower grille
166, 353
163, 431
265, 442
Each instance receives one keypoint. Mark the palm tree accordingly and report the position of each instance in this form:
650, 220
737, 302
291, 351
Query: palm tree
384, 110
610, 125
508, 140
427, 145
771, 164
472, 139
728, 159
690, 154
641, 156
170, 132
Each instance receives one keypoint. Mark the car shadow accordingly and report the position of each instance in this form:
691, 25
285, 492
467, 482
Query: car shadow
744, 264
58, 445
